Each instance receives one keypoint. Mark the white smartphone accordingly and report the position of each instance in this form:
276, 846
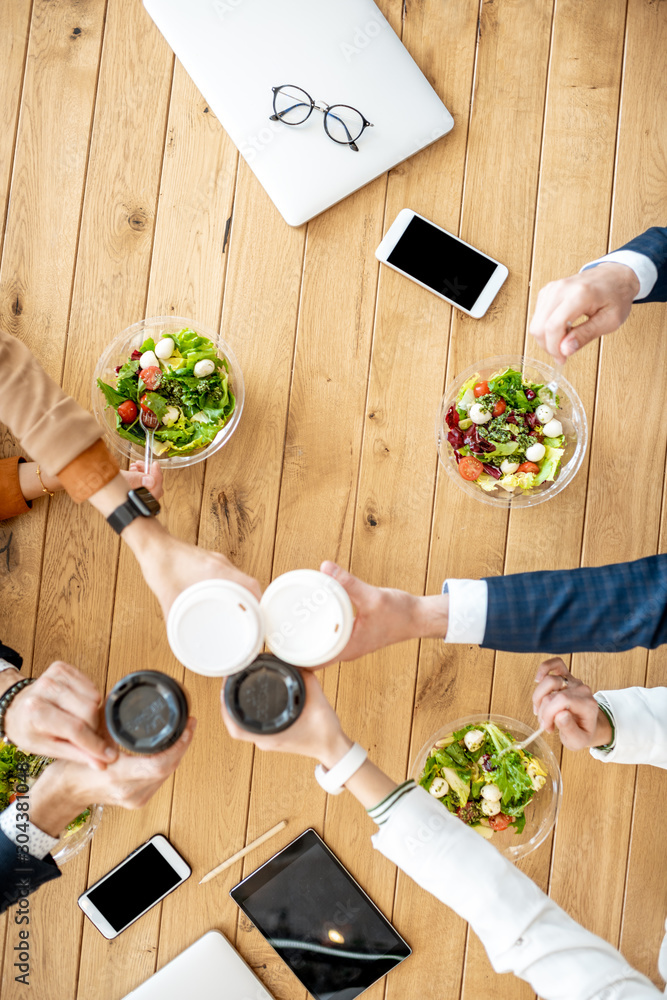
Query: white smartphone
145, 877
458, 273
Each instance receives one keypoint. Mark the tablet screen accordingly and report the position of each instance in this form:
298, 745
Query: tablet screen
320, 921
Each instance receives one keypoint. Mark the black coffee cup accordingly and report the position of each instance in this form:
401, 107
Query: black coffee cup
146, 712
266, 697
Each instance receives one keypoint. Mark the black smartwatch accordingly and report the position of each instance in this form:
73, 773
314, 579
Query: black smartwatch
139, 503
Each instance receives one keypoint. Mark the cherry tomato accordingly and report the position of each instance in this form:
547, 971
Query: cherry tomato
470, 468
499, 408
500, 822
144, 404
127, 411
528, 467
148, 419
151, 377
481, 389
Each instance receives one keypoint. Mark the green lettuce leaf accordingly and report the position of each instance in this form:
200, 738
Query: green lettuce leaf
112, 396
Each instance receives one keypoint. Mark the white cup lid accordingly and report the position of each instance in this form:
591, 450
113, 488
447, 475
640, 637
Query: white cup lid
215, 628
308, 617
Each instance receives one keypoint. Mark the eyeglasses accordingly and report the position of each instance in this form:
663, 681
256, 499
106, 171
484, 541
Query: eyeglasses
342, 123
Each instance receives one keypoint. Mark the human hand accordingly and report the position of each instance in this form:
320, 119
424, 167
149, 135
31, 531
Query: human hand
603, 293
385, 616
563, 701
66, 788
316, 733
135, 478
58, 716
170, 565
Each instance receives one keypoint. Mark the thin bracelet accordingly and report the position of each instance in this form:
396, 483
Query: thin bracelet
5, 702
44, 489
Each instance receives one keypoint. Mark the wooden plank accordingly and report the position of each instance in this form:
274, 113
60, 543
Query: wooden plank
110, 287
641, 201
38, 261
40, 244
571, 225
639, 346
14, 34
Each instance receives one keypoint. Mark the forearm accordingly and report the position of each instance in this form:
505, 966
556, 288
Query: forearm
522, 930
53, 803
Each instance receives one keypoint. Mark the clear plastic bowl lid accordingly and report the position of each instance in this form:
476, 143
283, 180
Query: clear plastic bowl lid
308, 617
215, 628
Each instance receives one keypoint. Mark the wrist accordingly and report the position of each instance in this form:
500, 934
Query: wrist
54, 801
431, 617
604, 733
8, 678
625, 279
334, 749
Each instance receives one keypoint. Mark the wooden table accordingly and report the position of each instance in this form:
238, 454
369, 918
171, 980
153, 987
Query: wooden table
116, 187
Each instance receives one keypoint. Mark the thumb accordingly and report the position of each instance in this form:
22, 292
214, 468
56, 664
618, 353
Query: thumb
605, 320
568, 730
356, 589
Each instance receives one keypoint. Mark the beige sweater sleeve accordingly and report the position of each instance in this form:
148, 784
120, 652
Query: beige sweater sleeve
51, 426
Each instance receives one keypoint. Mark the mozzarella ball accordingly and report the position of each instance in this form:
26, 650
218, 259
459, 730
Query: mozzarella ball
553, 429
544, 413
508, 467
492, 793
473, 739
478, 415
205, 367
164, 348
535, 452
439, 788
171, 416
148, 360
490, 808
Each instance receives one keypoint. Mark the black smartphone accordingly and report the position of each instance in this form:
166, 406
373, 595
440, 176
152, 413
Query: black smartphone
145, 877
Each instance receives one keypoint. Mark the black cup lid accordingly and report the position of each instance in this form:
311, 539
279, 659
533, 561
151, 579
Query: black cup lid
267, 696
146, 712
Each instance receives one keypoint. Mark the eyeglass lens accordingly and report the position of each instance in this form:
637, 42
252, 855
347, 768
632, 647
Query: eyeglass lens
292, 105
343, 124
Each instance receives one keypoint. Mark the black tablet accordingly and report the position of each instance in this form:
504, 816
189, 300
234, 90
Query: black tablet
320, 920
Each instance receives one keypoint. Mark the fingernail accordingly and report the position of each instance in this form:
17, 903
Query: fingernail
570, 347
110, 753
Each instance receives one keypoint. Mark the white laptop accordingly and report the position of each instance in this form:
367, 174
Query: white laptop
210, 969
339, 52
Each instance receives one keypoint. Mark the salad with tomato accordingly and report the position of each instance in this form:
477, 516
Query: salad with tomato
182, 388
487, 789
505, 433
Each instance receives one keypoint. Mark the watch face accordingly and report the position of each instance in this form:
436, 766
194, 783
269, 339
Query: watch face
145, 502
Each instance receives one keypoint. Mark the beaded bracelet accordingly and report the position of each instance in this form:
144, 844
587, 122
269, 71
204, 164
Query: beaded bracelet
5, 702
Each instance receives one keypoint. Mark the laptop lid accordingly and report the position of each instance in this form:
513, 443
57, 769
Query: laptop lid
209, 969
339, 52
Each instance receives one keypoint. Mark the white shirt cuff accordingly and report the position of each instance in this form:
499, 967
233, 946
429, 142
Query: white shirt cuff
468, 602
643, 266
13, 824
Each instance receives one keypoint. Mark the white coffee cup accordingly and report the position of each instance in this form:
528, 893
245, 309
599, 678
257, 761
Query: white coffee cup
215, 628
308, 617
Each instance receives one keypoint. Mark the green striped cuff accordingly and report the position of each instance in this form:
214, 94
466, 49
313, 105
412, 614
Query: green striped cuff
382, 811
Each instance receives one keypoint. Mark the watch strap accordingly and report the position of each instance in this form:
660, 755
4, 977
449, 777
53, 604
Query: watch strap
122, 516
333, 780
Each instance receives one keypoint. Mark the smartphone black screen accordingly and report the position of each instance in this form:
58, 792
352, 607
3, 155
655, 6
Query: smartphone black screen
442, 262
135, 886
321, 923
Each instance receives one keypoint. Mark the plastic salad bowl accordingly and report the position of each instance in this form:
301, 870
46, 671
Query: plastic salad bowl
570, 413
118, 352
542, 810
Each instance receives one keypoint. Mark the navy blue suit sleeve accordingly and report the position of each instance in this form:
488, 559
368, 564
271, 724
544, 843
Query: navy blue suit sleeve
603, 609
653, 244
20, 873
